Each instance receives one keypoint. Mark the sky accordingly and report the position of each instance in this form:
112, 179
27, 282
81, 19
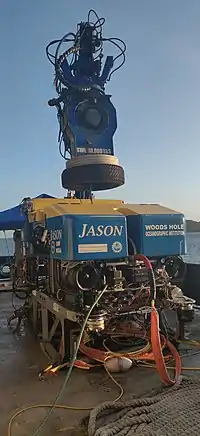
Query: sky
156, 94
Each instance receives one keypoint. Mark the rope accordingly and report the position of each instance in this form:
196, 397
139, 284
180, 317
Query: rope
66, 407
173, 412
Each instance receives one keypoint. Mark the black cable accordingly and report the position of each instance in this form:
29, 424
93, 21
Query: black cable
63, 155
57, 41
50, 55
97, 29
62, 40
92, 11
122, 53
132, 247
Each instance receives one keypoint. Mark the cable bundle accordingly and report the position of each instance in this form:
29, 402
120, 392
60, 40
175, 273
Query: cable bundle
74, 50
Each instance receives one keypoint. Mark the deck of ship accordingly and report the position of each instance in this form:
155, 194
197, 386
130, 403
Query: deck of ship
20, 362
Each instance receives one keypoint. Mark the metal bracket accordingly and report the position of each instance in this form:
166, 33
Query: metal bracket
54, 326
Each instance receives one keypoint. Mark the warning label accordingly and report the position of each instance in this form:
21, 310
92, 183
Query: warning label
164, 230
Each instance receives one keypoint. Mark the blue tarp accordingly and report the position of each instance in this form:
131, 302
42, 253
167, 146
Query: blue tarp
12, 219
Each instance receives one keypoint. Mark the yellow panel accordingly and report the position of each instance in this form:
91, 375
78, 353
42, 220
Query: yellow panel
145, 209
43, 203
81, 209
63, 206
59, 206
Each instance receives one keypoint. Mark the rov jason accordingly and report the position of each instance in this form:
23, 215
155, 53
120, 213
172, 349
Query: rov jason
100, 230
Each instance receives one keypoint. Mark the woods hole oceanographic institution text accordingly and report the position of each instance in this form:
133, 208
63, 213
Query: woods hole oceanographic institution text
164, 230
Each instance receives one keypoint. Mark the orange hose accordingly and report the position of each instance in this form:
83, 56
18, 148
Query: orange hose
99, 355
157, 351
92, 353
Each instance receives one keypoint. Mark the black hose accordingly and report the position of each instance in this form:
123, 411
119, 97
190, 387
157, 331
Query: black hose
132, 251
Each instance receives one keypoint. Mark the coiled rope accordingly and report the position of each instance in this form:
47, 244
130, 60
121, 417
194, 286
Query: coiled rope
174, 412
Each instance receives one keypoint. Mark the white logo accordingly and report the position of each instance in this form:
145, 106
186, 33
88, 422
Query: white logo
6, 269
117, 247
100, 230
53, 247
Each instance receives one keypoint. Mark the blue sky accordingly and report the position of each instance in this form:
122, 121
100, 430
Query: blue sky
156, 93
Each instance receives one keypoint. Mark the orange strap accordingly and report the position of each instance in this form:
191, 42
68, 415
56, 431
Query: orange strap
99, 355
158, 354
